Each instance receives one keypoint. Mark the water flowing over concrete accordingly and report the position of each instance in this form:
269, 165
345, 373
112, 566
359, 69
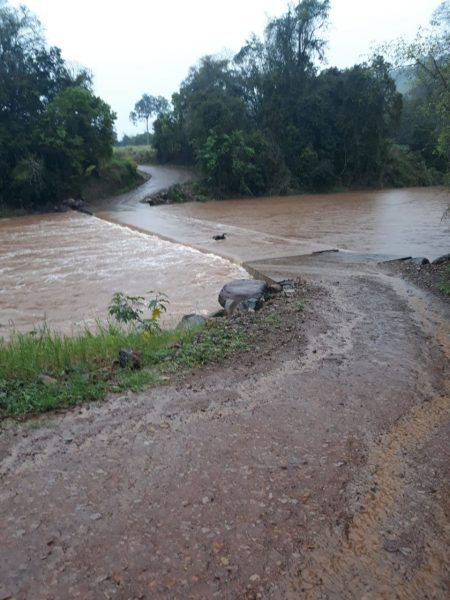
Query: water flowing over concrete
64, 268
395, 222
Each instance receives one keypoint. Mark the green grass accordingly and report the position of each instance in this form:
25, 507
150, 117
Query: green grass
444, 284
85, 367
141, 155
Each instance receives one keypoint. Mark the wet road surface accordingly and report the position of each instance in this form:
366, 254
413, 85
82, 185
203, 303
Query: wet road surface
313, 466
406, 222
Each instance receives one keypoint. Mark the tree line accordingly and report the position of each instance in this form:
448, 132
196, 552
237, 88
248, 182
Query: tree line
54, 132
271, 120
274, 120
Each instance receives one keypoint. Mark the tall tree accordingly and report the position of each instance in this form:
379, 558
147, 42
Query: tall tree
146, 107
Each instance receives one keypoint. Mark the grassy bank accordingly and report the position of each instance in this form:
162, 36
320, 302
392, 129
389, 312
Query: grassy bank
115, 176
45, 371
141, 155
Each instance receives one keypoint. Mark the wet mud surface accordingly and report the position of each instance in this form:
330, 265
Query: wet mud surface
313, 466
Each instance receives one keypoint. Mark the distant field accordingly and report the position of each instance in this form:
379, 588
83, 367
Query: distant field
141, 155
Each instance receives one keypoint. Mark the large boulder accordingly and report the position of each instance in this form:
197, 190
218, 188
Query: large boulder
240, 290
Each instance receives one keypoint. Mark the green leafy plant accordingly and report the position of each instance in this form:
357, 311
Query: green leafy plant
130, 310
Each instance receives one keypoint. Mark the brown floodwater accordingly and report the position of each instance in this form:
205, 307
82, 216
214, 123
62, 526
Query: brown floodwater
64, 268
406, 222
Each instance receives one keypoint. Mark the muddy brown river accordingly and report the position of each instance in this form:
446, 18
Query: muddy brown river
64, 268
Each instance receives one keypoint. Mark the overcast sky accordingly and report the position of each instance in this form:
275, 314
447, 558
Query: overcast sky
146, 46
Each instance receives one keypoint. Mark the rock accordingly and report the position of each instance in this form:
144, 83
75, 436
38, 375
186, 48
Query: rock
287, 287
243, 289
243, 306
230, 306
419, 260
391, 546
76, 204
217, 314
130, 358
250, 305
275, 288
190, 321
47, 380
96, 516
294, 461
442, 260
73, 203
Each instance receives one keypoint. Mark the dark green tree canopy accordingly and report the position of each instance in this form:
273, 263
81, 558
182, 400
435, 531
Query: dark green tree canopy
271, 120
52, 127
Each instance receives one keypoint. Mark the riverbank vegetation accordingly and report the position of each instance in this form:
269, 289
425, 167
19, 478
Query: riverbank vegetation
45, 370
274, 119
138, 154
56, 135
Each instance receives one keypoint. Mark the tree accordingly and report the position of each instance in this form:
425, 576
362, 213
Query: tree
425, 63
49, 117
77, 137
146, 107
270, 120
293, 41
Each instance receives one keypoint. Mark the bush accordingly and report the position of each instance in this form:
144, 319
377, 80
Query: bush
405, 168
239, 163
141, 155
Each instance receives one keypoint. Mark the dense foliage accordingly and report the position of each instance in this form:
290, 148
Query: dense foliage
54, 132
425, 66
271, 120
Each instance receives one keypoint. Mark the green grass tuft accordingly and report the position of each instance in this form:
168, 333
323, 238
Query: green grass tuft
85, 367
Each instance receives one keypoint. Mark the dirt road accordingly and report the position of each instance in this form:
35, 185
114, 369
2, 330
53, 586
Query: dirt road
314, 466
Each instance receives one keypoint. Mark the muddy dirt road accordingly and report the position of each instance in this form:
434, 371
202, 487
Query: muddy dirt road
314, 466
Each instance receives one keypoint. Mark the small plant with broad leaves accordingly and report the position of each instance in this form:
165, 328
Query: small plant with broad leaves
130, 310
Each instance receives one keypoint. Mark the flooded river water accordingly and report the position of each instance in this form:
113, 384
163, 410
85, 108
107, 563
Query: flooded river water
64, 268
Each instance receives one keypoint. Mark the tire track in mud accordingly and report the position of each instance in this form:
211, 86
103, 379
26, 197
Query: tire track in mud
354, 562
358, 562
